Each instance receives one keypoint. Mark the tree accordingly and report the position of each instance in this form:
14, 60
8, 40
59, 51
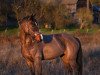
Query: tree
45, 12
95, 1
85, 17
25, 7
54, 14
3, 12
59, 15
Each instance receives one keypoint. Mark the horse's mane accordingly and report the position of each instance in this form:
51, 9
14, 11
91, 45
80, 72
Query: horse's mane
26, 18
22, 34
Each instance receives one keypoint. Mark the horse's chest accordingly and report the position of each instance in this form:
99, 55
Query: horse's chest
28, 40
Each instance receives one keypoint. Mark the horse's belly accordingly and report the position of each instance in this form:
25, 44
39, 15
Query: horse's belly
51, 52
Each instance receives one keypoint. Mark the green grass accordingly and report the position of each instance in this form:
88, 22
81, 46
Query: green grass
15, 31
48, 31
9, 32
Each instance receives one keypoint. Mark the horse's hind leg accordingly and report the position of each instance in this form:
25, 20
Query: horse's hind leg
67, 66
75, 67
71, 66
31, 66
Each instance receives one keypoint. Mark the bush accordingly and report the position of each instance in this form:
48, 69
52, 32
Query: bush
2, 20
85, 17
45, 12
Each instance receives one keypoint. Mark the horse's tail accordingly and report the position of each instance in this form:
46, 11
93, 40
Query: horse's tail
79, 58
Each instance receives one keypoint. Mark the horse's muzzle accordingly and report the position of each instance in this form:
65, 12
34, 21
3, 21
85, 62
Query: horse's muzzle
38, 37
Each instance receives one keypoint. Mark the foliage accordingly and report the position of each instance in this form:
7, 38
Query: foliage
45, 12
24, 8
95, 2
2, 20
3, 12
85, 17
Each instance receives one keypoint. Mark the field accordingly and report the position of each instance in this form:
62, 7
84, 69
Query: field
12, 62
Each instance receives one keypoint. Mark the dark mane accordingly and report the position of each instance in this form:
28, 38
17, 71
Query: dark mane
27, 18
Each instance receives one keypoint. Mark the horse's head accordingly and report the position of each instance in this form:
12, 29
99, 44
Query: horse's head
29, 26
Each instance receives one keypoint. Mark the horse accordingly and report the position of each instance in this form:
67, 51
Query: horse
34, 49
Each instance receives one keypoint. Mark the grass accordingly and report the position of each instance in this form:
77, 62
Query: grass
48, 31
9, 31
12, 62
14, 31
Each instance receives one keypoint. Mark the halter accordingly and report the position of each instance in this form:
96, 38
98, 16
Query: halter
38, 37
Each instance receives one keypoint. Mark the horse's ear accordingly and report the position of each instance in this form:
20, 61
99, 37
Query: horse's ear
32, 17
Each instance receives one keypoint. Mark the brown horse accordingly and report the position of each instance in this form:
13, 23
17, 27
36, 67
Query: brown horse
34, 49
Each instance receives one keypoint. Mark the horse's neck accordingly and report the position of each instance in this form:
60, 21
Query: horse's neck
25, 39
22, 37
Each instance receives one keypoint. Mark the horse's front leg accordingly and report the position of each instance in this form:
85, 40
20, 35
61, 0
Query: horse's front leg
31, 66
38, 64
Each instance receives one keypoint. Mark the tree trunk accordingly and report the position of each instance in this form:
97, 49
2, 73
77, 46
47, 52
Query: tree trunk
87, 4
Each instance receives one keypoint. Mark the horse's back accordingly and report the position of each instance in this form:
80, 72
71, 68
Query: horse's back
59, 45
68, 39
